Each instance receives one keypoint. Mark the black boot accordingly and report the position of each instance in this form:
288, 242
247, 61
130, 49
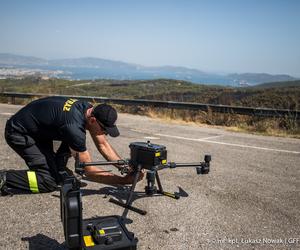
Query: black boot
3, 188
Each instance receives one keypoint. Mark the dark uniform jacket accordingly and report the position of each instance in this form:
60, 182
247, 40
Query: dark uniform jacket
53, 118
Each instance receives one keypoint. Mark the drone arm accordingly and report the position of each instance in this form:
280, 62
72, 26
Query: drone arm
103, 163
178, 165
201, 167
79, 166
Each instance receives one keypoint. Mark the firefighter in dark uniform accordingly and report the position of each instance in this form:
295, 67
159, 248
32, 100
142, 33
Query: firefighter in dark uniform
31, 131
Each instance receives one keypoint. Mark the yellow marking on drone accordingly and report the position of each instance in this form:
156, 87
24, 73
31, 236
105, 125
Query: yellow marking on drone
88, 241
164, 162
102, 232
157, 154
169, 194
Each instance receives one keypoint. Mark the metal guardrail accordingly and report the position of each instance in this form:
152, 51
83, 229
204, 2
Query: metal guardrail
262, 112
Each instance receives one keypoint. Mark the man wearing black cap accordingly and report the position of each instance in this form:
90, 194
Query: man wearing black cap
32, 130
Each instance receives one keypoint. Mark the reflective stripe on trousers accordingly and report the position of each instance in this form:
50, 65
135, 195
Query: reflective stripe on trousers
32, 180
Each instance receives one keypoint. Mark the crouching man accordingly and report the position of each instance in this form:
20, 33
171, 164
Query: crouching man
31, 131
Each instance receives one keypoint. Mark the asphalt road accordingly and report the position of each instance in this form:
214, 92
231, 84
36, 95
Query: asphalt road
250, 199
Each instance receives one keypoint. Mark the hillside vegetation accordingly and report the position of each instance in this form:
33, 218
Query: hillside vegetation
283, 95
280, 95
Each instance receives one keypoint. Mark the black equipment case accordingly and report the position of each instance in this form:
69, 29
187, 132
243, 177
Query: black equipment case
105, 233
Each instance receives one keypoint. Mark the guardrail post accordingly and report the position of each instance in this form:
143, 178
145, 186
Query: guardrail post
172, 113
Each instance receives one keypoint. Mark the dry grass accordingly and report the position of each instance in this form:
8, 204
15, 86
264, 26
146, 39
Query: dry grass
284, 127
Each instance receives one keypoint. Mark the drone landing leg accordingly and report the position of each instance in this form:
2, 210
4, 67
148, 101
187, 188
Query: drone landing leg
128, 203
161, 191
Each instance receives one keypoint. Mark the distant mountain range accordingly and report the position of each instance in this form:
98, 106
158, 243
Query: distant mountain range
97, 68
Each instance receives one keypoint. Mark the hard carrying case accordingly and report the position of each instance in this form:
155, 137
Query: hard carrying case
102, 233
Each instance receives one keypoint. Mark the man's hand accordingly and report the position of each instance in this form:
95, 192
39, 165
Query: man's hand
129, 178
96, 174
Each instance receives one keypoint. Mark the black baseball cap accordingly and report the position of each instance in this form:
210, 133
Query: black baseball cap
107, 116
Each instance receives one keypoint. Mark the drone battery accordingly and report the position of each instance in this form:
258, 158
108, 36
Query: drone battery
107, 233
147, 154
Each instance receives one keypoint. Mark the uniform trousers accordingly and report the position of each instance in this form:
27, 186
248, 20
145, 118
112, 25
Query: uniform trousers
44, 164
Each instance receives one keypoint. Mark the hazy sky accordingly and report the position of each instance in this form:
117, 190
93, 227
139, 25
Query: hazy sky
217, 36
